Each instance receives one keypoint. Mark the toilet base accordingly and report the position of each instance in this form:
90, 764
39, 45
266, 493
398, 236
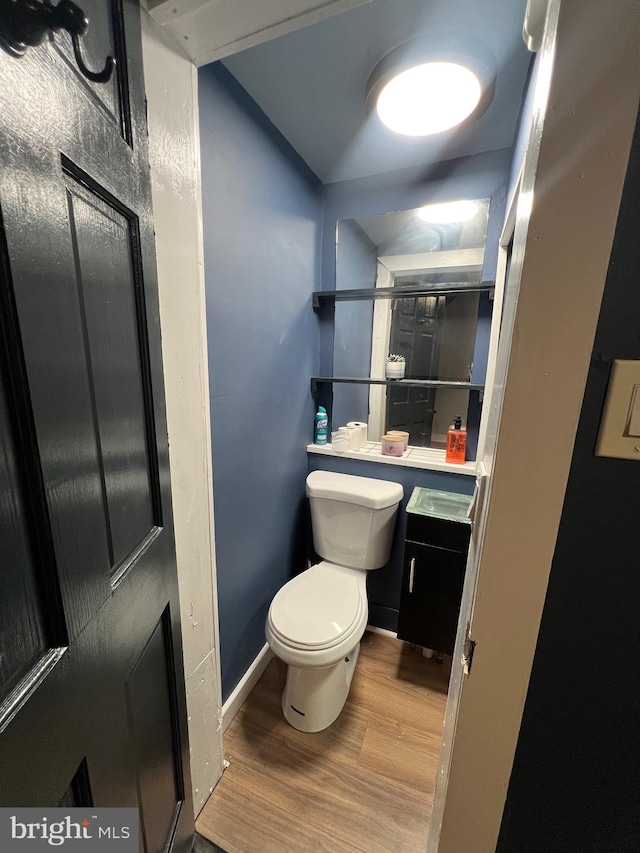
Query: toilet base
313, 696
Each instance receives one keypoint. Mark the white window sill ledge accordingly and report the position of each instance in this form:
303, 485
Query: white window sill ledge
414, 457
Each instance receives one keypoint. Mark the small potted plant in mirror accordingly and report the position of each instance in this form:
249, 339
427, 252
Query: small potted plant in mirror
394, 366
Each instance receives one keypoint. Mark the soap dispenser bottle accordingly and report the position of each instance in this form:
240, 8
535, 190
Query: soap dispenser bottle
456, 442
321, 426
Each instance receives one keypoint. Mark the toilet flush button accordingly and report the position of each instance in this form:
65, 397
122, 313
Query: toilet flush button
619, 434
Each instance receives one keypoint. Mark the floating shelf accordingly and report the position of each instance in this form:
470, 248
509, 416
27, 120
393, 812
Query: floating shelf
324, 297
397, 383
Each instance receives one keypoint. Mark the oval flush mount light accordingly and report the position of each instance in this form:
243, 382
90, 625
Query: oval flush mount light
419, 89
448, 212
429, 98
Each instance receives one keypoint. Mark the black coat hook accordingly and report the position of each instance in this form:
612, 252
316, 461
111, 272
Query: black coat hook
26, 23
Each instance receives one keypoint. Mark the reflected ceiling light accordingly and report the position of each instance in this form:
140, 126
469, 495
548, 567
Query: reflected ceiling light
448, 212
429, 98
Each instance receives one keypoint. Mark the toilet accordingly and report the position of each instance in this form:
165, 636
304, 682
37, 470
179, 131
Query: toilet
316, 620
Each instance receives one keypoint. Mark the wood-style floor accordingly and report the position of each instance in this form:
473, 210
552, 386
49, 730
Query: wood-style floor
364, 785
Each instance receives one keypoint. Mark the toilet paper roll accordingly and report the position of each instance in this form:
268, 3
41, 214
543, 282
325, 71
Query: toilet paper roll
362, 427
353, 436
339, 442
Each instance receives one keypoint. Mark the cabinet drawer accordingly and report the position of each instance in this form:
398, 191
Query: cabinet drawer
431, 593
438, 531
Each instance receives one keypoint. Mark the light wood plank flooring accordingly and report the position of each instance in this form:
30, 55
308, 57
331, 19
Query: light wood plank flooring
364, 785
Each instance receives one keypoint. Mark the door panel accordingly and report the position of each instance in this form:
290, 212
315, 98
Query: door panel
107, 291
154, 735
41, 277
105, 37
32, 623
22, 621
90, 642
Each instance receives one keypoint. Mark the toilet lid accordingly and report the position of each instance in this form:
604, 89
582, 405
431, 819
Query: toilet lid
318, 607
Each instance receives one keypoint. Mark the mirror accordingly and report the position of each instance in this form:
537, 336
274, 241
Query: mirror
441, 334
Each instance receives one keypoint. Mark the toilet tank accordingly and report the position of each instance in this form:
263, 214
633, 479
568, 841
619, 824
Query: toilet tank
353, 518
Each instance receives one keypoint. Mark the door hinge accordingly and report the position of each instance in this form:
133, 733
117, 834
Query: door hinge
467, 651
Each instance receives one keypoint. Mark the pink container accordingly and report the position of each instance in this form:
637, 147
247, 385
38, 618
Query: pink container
400, 434
392, 445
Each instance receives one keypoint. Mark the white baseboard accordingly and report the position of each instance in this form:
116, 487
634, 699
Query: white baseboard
252, 675
245, 685
382, 631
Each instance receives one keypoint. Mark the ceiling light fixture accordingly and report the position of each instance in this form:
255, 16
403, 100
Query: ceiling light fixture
429, 98
420, 91
448, 212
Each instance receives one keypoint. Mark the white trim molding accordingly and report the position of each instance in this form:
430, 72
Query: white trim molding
172, 101
458, 260
428, 458
212, 29
379, 348
246, 684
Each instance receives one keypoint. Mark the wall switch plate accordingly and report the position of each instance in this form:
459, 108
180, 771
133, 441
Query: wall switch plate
619, 434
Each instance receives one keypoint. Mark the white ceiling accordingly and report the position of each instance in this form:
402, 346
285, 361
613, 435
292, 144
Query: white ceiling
311, 82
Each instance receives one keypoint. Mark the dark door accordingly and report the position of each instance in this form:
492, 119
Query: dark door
91, 678
415, 333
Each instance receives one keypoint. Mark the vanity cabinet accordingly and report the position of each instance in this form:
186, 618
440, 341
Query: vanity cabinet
435, 557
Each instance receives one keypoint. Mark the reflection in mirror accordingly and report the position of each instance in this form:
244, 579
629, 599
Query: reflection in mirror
440, 334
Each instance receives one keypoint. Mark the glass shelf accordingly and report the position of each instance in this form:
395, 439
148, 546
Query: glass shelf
398, 383
324, 297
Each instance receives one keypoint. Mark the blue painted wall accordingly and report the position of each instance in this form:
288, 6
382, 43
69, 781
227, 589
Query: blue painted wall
262, 227
383, 585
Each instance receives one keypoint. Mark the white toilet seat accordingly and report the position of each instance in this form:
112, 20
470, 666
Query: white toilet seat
318, 617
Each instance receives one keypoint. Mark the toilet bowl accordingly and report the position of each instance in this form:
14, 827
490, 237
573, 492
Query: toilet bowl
314, 625
316, 620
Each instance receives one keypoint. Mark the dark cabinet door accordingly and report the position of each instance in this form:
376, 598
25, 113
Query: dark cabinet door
92, 704
432, 582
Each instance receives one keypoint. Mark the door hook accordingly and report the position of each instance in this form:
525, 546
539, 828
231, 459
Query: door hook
96, 76
26, 23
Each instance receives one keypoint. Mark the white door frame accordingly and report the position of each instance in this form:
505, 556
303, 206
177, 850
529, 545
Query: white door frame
451, 260
172, 107
486, 449
379, 343
496, 324
567, 207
